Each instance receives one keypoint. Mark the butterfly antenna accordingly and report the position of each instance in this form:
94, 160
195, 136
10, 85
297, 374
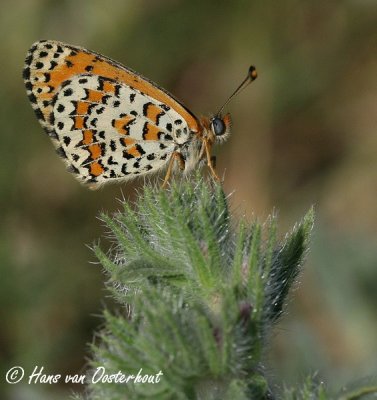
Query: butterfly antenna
251, 76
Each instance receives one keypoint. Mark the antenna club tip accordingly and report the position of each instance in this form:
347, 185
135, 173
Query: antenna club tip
253, 73
251, 76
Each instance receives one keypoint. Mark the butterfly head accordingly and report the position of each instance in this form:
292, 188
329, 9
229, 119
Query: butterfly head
220, 127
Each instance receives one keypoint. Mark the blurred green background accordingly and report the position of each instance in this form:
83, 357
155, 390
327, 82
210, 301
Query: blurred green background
304, 133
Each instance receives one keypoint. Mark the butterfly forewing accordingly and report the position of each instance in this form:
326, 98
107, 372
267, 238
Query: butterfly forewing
108, 122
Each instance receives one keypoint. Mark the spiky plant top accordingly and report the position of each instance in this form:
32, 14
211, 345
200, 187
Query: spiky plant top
203, 291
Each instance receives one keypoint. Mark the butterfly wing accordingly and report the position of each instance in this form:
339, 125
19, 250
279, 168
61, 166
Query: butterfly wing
106, 121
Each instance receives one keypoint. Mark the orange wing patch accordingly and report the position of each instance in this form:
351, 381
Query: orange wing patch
95, 151
79, 122
94, 96
151, 132
82, 108
121, 125
96, 169
153, 112
108, 87
133, 151
127, 141
87, 137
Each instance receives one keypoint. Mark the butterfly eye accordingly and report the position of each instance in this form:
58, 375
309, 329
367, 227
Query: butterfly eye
218, 126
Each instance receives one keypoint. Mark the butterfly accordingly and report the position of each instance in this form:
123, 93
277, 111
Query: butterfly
111, 124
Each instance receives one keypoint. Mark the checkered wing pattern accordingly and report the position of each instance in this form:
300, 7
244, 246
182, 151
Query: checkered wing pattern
106, 121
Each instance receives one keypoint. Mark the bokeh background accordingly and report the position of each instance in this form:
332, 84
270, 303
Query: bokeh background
304, 133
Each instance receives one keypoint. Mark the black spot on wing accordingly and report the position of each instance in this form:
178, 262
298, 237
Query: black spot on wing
52, 134
53, 64
164, 107
39, 114
124, 169
73, 170
127, 155
105, 98
111, 161
60, 152
28, 85
60, 108
139, 149
145, 108
52, 119
100, 84
26, 74
32, 98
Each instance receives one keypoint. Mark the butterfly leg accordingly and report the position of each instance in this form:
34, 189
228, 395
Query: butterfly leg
181, 162
207, 149
213, 161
